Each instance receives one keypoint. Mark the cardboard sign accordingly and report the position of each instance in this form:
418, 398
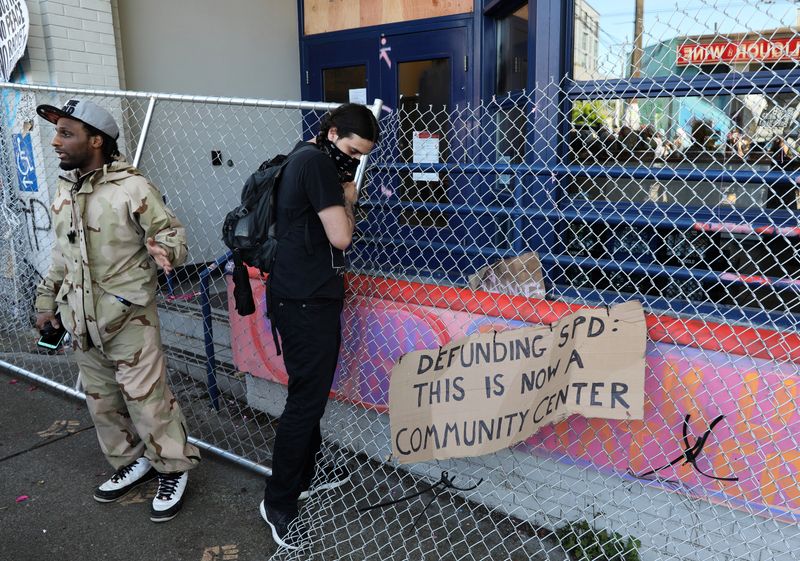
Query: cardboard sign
492, 390
521, 275
14, 26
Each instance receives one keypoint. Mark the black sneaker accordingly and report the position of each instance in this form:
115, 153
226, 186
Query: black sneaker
330, 479
125, 479
284, 530
169, 496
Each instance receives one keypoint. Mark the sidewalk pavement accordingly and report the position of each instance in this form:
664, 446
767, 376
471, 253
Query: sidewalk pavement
50, 463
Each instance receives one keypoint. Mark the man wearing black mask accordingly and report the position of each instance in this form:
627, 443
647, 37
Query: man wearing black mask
315, 224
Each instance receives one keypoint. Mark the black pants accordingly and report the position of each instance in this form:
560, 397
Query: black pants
310, 333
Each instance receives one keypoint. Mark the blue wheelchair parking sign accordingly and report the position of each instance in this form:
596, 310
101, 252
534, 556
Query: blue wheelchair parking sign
26, 170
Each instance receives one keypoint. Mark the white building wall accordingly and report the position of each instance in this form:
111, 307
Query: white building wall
118, 44
34, 65
79, 43
247, 48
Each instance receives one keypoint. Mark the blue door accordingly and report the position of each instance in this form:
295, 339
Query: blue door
339, 70
412, 65
426, 74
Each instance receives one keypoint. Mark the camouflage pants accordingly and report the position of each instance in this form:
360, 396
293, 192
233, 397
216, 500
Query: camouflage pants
133, 409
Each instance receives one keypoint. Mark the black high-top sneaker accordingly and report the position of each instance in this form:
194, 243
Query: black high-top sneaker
125, 479
285, 530
169, 496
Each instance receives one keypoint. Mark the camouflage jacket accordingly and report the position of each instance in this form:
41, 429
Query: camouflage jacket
101, 267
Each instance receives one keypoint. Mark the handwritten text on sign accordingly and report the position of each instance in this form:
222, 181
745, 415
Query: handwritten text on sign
13, 34
490, 391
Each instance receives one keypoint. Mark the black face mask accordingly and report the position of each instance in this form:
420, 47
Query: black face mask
345, 165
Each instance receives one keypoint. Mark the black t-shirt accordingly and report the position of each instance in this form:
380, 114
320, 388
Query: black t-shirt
309, 184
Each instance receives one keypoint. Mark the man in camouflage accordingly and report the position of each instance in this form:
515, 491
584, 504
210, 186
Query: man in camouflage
112, 229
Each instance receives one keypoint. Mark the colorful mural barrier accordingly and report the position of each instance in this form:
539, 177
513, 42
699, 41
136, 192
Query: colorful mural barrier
722, 412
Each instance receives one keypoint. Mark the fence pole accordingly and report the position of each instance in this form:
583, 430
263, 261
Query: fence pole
244, 462
145, 128
362, 167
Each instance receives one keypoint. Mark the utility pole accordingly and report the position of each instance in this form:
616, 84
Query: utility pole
638, 25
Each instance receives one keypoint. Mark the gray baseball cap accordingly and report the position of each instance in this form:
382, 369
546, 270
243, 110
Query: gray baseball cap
82, 110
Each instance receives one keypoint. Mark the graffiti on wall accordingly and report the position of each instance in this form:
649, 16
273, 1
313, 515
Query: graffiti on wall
38, 222
718, 426
32, 200
25, 219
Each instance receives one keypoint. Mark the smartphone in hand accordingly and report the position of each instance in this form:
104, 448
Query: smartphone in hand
51, 338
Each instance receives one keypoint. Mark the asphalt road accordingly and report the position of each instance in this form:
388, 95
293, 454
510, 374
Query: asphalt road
50, 463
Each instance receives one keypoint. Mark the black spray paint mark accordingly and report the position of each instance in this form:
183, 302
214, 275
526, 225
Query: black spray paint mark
691, 453
37, 215
444, 482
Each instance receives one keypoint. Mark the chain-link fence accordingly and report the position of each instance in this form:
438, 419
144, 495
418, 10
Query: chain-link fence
477, 218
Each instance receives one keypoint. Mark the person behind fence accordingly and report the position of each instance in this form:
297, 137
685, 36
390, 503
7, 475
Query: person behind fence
315, 225
112, 229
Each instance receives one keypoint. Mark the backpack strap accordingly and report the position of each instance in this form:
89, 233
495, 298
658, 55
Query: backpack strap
271, 315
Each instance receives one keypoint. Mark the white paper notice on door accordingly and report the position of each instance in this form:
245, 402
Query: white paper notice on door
358, 95
426, 151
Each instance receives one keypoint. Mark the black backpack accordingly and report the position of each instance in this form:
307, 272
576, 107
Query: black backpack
250, 229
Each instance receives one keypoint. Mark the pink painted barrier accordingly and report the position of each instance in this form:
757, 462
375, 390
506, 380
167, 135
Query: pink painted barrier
741, 413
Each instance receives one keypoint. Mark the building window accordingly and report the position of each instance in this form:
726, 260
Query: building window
754, 132
512, 51
672, 124
685, 112
424, 93
342, 84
